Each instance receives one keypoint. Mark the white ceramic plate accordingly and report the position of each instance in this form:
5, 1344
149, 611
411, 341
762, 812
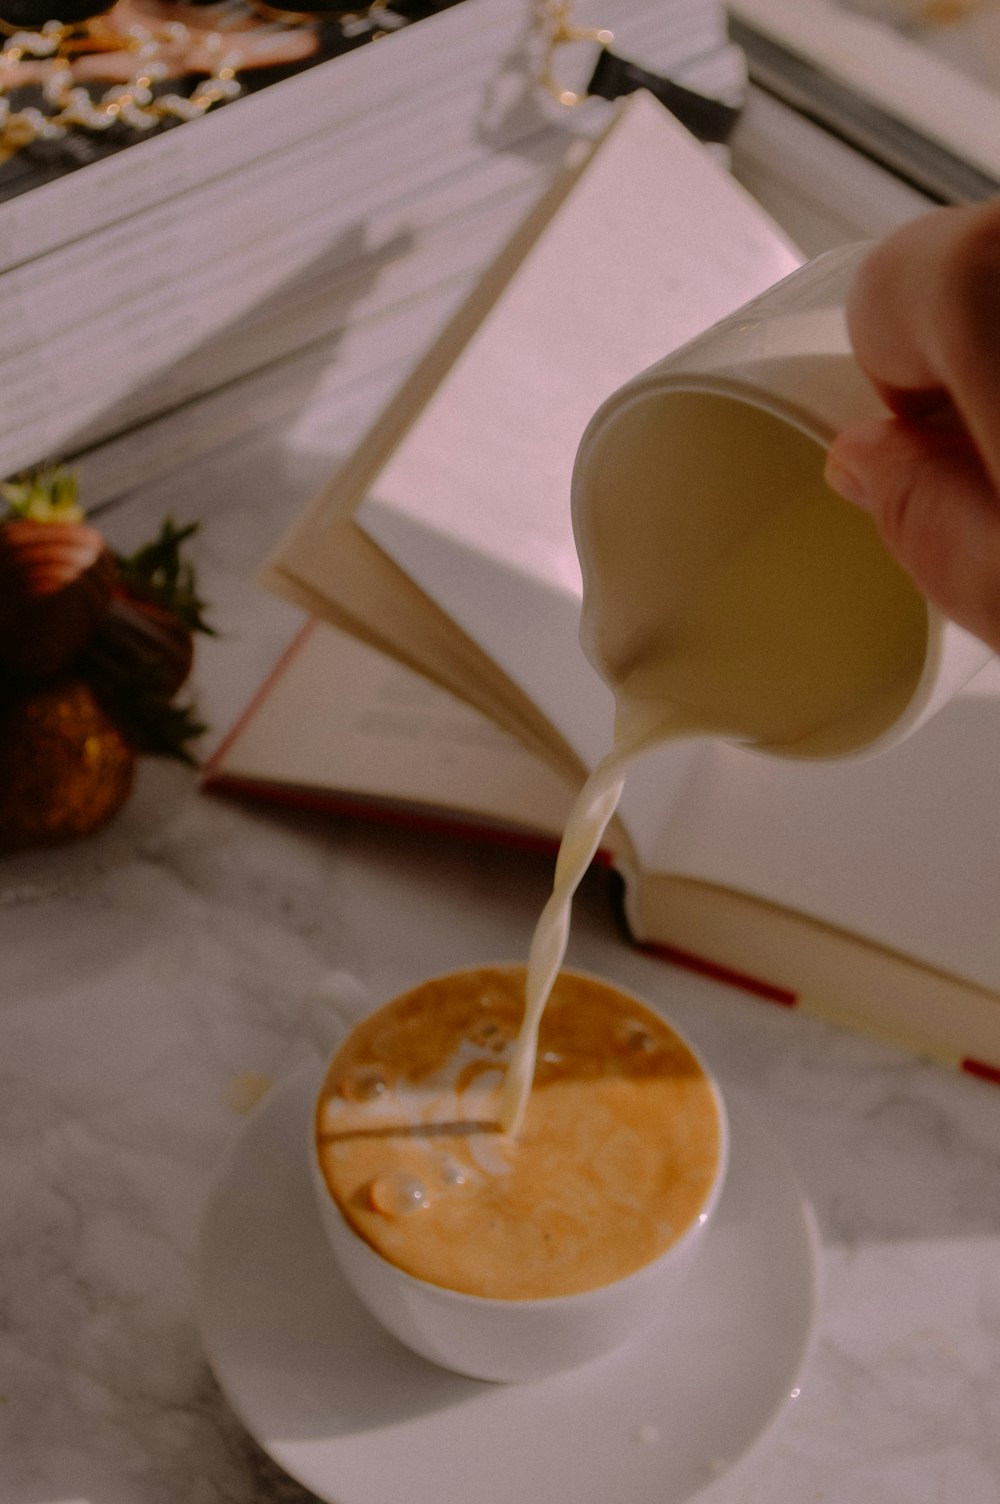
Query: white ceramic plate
358, 1419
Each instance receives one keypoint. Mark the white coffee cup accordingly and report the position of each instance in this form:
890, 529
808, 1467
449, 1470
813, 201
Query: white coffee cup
783, 363
515, 1340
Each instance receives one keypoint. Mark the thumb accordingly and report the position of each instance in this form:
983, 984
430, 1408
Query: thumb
935, 509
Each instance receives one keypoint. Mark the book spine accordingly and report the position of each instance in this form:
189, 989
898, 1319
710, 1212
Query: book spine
773, 992
377, 812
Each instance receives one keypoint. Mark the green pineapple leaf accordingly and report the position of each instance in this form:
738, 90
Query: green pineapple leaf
159, 573
153, 726
45, 494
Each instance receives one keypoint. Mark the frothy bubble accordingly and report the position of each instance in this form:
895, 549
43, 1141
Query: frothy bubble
635, 1036
364, 1084
397, 1193
489, 1035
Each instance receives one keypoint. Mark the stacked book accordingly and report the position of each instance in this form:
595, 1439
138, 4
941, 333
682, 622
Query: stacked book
368, 189
916, 87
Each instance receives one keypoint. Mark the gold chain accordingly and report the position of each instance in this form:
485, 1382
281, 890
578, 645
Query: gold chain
159, 51
554, 19
66, 105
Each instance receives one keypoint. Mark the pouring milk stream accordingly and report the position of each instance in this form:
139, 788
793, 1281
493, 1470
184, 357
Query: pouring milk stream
728, 591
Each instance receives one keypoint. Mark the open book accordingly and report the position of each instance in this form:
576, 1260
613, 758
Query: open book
441, 555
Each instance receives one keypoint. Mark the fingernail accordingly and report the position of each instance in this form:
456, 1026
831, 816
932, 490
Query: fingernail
845, 481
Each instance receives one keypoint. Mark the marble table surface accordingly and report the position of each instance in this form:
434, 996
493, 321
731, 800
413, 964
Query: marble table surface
145, 981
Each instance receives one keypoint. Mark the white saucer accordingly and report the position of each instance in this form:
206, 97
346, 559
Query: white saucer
358, 1419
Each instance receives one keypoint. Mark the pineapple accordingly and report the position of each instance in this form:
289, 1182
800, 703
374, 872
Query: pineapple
94, 648
56, 578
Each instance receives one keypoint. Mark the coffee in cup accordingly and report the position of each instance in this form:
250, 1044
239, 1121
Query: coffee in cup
520, 1254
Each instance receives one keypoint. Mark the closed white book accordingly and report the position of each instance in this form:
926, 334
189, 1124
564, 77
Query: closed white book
319, 203
915, 86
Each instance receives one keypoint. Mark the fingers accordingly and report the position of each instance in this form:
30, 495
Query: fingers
924, 319
934, 504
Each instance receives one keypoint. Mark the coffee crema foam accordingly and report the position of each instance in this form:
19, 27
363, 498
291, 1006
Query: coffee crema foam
616, 1157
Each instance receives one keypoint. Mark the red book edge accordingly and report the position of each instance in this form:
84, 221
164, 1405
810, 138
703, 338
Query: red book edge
209, 773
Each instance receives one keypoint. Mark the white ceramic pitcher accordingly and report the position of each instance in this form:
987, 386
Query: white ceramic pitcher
688, 469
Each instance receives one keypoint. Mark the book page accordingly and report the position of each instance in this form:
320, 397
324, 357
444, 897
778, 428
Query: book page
330, 567
902, 848
655, 243
340, 719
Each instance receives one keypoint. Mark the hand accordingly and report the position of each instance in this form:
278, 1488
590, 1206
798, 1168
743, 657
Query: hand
924, 320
